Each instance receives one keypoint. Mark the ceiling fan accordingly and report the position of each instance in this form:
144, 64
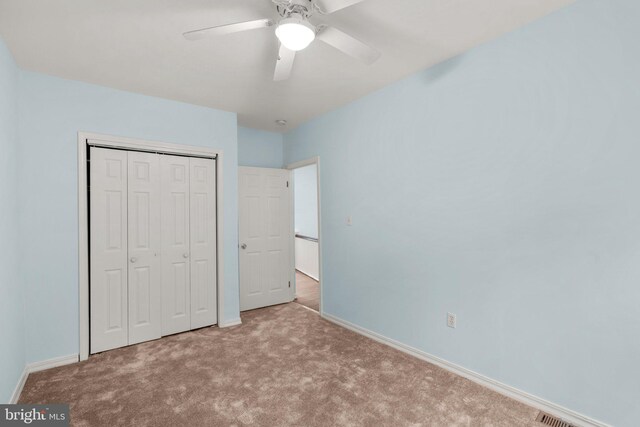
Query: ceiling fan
295, 32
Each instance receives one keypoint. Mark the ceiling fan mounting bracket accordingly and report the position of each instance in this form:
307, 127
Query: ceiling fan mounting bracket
304, 8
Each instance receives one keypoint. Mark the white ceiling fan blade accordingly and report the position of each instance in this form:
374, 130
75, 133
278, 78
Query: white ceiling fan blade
330, 6
222, 30
284, 64
347, 44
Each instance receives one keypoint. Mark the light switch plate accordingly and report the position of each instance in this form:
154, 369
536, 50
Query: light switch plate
451, 320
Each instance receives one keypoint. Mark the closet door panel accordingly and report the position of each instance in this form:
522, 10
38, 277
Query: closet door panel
145, 292
203, 242
176, 277
108, 246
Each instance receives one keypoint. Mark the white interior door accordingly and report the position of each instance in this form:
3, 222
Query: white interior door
176, 277
108, 245
145, 292
203, 255
265, 237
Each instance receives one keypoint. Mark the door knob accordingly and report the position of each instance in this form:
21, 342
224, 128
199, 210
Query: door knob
185, 255
134, 259
243, 246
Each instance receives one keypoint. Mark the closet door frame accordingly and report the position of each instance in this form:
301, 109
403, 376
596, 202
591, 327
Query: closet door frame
85, 140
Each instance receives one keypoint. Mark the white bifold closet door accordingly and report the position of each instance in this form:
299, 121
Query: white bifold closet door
109, 248
176, 276
203, 242
153, 246
188, 243
145, 294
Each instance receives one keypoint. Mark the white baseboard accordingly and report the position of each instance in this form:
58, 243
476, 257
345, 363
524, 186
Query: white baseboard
308, 274
512, 392
18, 390
230, 323
40, 366
307, 308
52, 363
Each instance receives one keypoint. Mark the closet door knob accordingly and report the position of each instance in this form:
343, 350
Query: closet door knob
243, 246
133, 259
185, 255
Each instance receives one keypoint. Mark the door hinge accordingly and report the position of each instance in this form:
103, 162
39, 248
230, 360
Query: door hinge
289, 283
287, 184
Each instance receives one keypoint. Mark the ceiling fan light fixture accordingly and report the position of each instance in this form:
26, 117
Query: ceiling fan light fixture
295, 33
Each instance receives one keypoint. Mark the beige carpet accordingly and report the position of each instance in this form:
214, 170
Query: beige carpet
307, 291
285, 366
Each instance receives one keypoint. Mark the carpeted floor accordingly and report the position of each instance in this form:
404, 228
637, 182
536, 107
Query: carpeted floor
284, 366
307, 291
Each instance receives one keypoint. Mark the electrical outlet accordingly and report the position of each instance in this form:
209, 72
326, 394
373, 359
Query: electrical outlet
451, 320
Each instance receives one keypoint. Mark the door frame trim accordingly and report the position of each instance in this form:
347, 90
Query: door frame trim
110, 141
297, 165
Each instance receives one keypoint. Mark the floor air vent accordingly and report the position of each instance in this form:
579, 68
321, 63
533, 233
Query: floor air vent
550, 420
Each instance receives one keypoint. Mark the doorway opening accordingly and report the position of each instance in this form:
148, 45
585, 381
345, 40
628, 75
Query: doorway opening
306, 240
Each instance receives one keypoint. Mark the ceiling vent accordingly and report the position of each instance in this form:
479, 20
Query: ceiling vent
550, 420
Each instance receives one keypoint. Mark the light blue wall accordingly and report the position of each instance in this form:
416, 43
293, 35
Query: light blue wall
259, 148
502, 186
306, 200
12, 337
52, 111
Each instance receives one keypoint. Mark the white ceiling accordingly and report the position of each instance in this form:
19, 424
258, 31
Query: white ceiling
138, 46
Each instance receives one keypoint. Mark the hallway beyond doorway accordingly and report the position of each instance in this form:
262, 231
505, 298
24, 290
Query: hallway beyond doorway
307, 291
